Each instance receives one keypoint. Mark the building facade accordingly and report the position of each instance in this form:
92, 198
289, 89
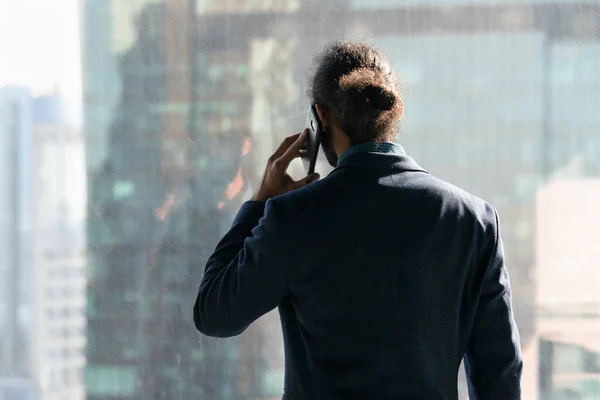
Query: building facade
17, 325
17, 389
153, 220
568, 334
59, 239
42, 300
184, 100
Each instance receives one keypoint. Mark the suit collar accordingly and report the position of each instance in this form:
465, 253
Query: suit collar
372, 147
396, 159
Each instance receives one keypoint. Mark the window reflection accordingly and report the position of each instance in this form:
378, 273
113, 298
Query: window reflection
183, 101
191, 97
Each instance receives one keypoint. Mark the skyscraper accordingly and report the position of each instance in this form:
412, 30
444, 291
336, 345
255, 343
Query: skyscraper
42, 297
153, 220
59, 245
17, 271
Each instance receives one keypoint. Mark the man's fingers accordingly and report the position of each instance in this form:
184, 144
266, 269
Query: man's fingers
294, 149
306, 180
287, 142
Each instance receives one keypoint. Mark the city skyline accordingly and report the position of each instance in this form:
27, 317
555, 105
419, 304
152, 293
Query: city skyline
173, 108
42, 249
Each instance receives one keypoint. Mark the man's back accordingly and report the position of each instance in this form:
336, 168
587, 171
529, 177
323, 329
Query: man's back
385, 284
391, 276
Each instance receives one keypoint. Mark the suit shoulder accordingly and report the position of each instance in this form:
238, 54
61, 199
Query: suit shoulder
464, 202
303, 194
296, 202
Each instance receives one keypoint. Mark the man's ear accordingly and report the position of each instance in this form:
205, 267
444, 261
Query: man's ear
400, 106
322, 116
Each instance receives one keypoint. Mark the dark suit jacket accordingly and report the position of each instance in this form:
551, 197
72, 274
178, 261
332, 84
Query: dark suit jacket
385, 278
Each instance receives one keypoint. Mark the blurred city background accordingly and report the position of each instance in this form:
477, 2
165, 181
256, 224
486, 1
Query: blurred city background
132, 130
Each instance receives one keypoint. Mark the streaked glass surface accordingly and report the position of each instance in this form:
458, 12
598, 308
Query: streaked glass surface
108, 217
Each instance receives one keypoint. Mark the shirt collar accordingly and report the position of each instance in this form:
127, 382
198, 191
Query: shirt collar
378, 155
372, 147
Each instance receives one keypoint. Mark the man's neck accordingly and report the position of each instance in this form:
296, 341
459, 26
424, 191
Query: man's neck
341, 143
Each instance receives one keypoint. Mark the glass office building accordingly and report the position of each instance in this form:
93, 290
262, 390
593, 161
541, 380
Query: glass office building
185, 99
16, 261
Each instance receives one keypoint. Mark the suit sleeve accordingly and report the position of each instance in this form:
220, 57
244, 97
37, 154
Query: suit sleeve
245, 277
493, 359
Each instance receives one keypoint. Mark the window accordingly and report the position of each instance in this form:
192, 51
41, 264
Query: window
53, 354
111, 381
120, 153
122, 189
56, 379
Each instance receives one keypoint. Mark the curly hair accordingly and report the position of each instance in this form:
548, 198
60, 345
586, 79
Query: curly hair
357, 83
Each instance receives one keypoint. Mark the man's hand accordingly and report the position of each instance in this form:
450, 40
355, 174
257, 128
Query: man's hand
276, 181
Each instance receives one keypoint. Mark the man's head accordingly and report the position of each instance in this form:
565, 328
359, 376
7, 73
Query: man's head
355, 90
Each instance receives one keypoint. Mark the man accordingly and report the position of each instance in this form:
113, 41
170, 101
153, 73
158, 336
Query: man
385, 277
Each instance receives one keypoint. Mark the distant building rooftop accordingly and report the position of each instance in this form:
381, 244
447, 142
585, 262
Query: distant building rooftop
10, 92
50, 110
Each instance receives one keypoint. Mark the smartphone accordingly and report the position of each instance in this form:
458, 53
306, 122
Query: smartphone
313, 141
